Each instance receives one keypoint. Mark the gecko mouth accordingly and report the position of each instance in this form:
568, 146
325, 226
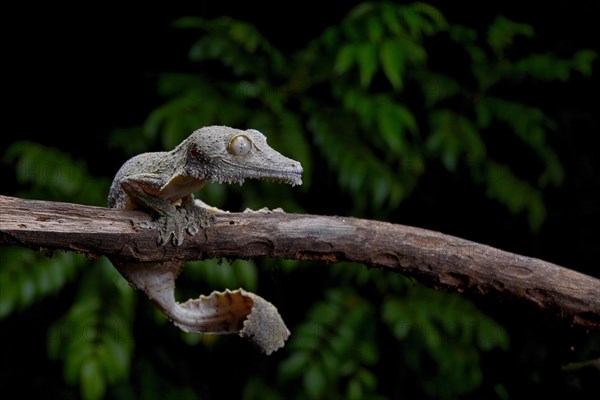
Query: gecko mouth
295, 179
282, 171
289, 177
292, 178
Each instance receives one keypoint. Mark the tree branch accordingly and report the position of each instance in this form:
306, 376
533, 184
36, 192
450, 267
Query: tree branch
435, 259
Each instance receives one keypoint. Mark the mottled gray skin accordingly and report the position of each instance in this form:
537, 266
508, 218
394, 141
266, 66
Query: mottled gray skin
162, 184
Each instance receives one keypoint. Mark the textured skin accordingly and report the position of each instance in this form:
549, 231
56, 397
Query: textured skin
162, 184
202, 157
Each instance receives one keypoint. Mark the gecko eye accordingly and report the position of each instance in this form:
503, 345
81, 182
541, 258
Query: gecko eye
239, 145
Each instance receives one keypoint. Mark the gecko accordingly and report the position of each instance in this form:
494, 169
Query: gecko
163, 184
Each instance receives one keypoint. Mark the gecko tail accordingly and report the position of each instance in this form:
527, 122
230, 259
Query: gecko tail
237, 311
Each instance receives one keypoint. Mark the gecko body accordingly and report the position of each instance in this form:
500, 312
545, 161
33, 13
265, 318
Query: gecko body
162, 184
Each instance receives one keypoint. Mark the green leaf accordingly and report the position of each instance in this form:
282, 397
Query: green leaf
406, 118
540, 66
503, 31
330, 363
437, 87
583, 61
53, 174
220, 274
355, 391
314, 382
501, 392
330, 37
246, 35
367, 378
391, 128
78, 351
94, 338
345, 59
529, 124
490, 335
93, 385
484, 115
368, 353
433, 14
413, 21
422, 19
27, 291
116, 356
27, 277
374, 29
325, 314
360, 11
190, 22
245, 273
453, 136
413, 52
390, 18
392, 63
258, 389
444, 330
462, 34
8, 296
293, 366
366, 57
517, 194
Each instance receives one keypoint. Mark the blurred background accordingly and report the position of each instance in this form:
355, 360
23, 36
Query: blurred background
479, 121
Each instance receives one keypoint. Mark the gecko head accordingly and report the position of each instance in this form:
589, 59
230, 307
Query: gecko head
227, 155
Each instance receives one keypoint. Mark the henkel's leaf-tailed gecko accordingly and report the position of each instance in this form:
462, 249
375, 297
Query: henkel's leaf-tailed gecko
163, 183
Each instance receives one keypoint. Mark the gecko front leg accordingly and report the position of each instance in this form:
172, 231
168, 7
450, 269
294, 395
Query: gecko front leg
171, 220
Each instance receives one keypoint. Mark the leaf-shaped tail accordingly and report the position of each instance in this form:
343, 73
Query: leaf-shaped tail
238, 311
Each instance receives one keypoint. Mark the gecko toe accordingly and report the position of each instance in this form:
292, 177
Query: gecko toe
192, 230
163, 238
178, 238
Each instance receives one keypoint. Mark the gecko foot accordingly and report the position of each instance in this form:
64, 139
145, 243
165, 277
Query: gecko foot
171, 227
196, 217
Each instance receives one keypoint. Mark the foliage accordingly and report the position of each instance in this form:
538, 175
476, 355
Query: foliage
446, 332
51, 174
370, 66
364, 105
334, 349
221, 274
94, 337
27, 277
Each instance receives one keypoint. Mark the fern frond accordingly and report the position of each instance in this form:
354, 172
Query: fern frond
27, 277
94, 338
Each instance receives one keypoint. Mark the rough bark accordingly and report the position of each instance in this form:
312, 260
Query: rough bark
435, 259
